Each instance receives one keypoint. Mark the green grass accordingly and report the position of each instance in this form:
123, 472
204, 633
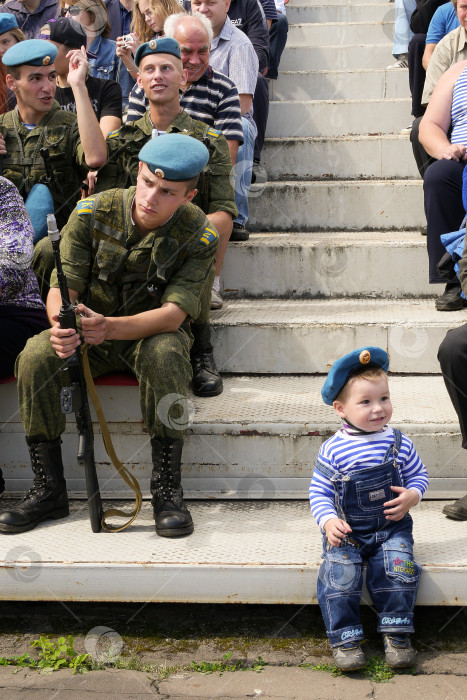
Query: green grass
52, 656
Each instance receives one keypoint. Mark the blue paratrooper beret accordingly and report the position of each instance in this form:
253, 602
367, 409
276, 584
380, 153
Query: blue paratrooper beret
7, 22
174, 157
32, 52
345, 366
163, 45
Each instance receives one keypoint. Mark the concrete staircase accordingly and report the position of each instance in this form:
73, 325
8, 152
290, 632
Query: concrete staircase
336, 261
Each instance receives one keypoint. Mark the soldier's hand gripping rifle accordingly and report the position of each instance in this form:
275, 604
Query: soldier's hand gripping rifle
74, 398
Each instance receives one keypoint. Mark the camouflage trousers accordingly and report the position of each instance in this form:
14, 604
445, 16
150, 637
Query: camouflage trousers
161, 364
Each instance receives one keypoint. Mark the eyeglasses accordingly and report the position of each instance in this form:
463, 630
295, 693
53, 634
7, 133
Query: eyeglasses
72, 10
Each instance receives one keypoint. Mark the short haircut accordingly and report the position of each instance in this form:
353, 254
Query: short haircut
172, 23
192, 183
371, 373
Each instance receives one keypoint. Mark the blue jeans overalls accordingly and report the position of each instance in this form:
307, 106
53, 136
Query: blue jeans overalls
392, 574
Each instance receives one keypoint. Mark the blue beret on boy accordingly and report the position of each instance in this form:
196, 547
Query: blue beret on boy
345, 366
174, 157
7, 22
163, 45
32, 52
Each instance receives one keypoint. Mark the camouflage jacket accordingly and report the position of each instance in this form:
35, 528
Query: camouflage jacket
117, 272
215, 190
25, 167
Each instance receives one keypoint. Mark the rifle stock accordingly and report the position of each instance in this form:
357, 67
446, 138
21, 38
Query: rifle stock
74, 398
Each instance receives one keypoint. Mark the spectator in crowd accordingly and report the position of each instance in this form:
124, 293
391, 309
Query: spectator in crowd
92, 15
31, 15
74, 142
149, 17
402, 32
232, 53
277, 39
452, 356
252, 17
447, 51
120, 16
446, 112
22, 312
105, 95
430, 23
10, 34
147, 23
168, 243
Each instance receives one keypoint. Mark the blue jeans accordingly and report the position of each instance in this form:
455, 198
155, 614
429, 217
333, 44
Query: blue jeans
387, 547
402, 31
243, 167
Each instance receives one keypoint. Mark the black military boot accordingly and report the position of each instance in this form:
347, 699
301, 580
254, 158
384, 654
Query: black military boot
206, 379
172, 517
47, 499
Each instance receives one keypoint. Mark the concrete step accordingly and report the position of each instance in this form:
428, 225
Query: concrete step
272, 336
344, 157
337, 264
319, 3
338, 205
341, 33
239, 552
259, 439
368, 12
338, 117
338, 57
339, 84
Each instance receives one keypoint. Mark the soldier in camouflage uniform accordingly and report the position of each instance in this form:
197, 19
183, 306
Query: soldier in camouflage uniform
138, 262
74, 141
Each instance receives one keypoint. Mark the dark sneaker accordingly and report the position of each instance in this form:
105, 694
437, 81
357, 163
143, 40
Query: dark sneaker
239, 233
349, 657
398, 650
457, 510
451, 299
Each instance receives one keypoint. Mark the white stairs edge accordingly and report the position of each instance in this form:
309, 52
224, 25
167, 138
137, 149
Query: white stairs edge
358, 12
363, 54
259, 439
339, 84
318, 264
346, 205
326, 33
266, 552
385, 156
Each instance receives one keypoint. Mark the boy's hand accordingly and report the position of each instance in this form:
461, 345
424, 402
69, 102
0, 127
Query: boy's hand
336, 529
401, 505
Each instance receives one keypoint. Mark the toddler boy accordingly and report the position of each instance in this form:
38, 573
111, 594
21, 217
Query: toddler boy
367, 477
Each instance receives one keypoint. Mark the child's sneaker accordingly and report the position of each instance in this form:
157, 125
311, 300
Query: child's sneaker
349, 657
398, 650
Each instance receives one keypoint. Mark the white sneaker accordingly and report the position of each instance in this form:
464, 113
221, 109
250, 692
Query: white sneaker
407, 131
216, 300
402, 62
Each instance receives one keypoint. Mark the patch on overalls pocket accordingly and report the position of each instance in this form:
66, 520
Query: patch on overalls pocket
372, 493
399, 563
344, 569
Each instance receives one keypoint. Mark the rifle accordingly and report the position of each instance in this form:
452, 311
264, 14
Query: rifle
74, 398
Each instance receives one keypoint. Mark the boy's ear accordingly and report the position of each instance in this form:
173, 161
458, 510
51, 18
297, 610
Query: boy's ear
339, 408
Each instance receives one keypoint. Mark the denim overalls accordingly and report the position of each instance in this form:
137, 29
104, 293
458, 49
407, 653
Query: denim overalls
392, 574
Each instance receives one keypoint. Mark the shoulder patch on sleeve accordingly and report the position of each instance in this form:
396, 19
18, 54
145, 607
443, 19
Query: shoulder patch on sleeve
85, 206
213, 132
208, 236
112, 134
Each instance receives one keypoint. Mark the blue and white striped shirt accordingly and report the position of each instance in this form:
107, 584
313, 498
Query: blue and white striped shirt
345, 451
458, 110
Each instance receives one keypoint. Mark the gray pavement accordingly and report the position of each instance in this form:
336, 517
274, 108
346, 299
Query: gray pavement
274, 682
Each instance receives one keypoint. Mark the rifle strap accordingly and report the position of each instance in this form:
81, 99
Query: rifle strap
126, 475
